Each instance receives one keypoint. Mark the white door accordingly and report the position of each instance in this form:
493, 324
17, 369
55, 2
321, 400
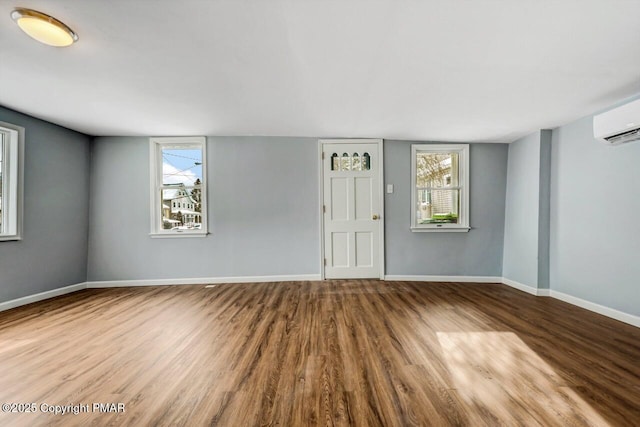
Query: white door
352, 220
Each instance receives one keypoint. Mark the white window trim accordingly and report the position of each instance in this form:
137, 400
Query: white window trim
12, 181
156, 144
463, 152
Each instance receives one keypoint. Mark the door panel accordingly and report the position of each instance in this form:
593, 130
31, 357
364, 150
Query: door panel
363, 190
340, 249
352, 208
364, 249
339, 199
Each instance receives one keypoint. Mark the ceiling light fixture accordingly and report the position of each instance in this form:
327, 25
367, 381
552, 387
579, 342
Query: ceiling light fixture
44, 28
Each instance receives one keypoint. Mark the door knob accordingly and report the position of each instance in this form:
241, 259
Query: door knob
375, 217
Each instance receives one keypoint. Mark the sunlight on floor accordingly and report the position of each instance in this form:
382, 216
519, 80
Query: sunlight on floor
497, 373
7, 345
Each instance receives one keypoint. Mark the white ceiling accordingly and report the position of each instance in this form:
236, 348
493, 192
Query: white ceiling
441, 70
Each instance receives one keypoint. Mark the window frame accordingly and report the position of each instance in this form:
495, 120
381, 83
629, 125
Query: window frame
12, 182
156, 145
463, 186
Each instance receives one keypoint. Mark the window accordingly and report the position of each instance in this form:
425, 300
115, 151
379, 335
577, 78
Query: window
440, 187
11, 161
350, 163
178, 187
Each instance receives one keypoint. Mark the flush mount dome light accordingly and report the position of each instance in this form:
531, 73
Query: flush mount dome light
44, 28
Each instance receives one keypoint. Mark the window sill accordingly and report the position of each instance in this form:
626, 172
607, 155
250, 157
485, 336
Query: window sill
12, 238
440, 229
177, 235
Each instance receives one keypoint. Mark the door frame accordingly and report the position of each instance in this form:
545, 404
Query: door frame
380, 144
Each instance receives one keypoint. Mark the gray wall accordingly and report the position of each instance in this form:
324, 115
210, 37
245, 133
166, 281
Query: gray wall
544, 209
595, 231
476, 253
263, 212
266, 222
53, 252
520, 259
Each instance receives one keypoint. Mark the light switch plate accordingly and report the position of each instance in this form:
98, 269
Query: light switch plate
389, 188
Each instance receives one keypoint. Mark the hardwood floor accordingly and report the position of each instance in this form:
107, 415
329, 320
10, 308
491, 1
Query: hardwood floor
354, 352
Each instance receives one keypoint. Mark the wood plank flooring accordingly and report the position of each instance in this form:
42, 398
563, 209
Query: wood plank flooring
356, 352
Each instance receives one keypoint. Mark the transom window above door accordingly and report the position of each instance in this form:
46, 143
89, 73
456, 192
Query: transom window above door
350, 162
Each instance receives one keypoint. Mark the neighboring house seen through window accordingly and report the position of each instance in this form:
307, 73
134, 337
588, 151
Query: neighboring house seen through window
440, 187
178, 186
11, 161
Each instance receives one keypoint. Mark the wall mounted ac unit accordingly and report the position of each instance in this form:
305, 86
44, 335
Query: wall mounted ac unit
619, 125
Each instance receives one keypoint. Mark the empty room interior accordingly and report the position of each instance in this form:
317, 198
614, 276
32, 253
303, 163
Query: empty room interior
299, 213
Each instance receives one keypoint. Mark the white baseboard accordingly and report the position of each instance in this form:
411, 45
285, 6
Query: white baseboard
533, 290
544, 292
588, 305
8, 305
202, 281
465, 279
597, 308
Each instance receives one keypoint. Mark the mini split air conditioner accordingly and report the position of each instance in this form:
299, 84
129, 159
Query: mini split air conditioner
619, 125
